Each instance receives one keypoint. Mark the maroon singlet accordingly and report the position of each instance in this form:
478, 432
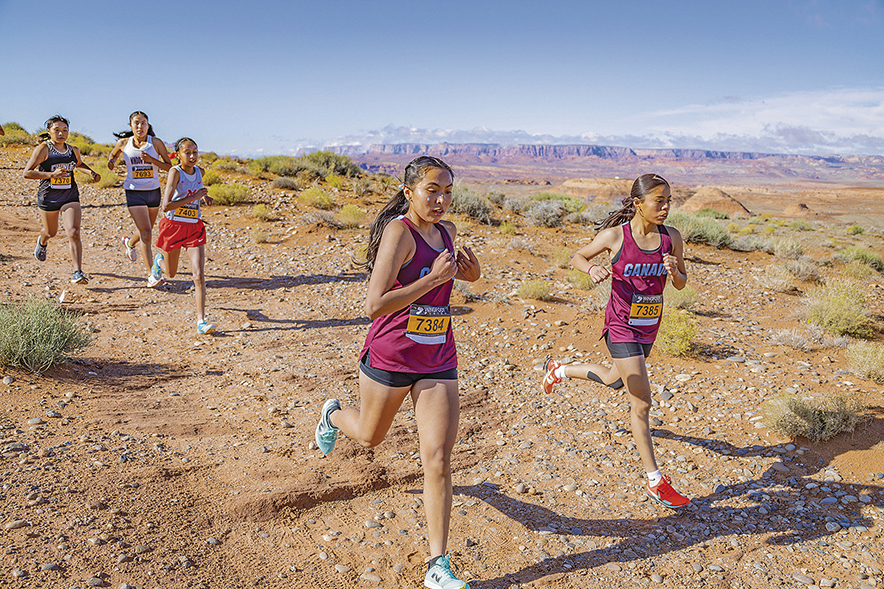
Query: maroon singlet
417, 339
637, 280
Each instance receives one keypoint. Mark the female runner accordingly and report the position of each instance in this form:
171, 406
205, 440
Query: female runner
410, 345
53, 163
144, 154
643, 252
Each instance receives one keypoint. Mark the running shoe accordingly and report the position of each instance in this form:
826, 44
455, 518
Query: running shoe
326, 433
203, 327
131, 252
440, 576
665, 495
40, 251
550, 380
79, 278
155, 278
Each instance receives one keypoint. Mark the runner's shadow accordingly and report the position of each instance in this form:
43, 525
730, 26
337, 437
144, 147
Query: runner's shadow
294, 324
275, 282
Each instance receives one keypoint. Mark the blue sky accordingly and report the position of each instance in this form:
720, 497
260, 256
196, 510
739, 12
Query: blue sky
270, 77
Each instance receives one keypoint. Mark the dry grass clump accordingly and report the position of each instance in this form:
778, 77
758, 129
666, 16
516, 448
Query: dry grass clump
108, 178
818, 420
335, 181
521, 244
685, 298
263, 213
858, 270
867, 360
710, 212
804, 341
788, 248
855, 229
561, 257
211, 177
546, 213
696, 229
507, 228
463, 287
775, 277
260, 234
229, 194
351, 216
466, 202
38, 334
535, 289
316, 198
227, 165
856, 253
745, 243
676, 334
580, 279
363, 187
800, 225
803, 268
839, 308
286, 183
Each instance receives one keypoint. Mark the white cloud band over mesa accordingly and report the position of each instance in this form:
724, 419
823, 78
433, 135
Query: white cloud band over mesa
843, 122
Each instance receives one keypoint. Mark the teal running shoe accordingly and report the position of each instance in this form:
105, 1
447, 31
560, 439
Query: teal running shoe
326, 433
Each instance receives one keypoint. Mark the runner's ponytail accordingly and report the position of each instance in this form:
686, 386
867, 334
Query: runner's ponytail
642, 186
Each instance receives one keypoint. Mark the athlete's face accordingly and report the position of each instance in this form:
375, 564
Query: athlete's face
431, 197
139, 126
188, 154
58, 132
655, 206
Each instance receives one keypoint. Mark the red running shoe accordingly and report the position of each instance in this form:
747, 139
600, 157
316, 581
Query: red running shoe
550, 380
665, 495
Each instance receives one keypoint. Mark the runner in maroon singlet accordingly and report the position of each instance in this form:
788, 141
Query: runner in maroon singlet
643, 252
410, 346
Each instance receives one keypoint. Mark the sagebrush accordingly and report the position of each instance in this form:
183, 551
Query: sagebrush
38, 334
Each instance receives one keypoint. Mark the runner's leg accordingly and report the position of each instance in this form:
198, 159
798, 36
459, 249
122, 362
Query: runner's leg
378, 404
197, 268
71, 219
635, 375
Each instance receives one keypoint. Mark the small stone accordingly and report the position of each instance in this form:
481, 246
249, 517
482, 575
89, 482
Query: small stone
666, 395
470, 543
803, 579
833, 527
53, 414
15, 524
372, 524
212, 541
657, 578
323, 556
570, 488
613, 567
49, 566
370, 577
697, 567
95, 582
35, 421
780, 467
141, 549
521, 488
19, 574
737, 359
342, 568
8, 380
824, 582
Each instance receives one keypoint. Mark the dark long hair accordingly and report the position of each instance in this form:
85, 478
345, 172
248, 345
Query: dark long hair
44, 136
128, 132
398, 205
640, 188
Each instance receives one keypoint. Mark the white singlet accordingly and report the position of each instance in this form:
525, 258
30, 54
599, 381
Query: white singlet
140, 175
186, 186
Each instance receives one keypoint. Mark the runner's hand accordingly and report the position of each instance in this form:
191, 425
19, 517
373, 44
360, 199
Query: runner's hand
670, 262
468, 265
444, 267
598, 274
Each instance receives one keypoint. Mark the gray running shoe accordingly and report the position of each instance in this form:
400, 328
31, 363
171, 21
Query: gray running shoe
40, 251
326, 433
79, 278
440, 576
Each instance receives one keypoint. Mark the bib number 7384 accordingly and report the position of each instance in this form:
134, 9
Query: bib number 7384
428, 324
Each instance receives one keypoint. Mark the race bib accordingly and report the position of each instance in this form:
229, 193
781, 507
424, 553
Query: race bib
645, 309
186, 213
142, 174
62, 183
428, 324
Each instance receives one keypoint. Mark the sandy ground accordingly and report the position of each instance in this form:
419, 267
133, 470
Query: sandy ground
162, 459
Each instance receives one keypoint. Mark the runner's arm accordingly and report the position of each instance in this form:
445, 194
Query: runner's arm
606, 241
674, 262
41, 152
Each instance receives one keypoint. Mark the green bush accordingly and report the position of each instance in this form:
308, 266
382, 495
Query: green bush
314, 166
227, 165
38, 334
867, 360
316, 198
285, 183
108, 178
855, 230
466, 202
839, 308
495, 197
351, 216
800, 225
211, 177
569, 203
263, 213
535, 289
507, 228
15, 135
709, 212
335, 181
864, 255
700, 229
229, 194
817, 421
857, 270
677, 332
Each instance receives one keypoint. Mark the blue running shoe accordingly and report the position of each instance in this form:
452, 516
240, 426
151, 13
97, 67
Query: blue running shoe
155, 278
440, 576
326, 433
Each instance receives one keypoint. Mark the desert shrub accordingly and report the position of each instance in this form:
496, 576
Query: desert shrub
803, 268
463, 287
839, 308
516, 204
108, 178
763, 218
227, 165
800, 225
580, 218
362, 187
535, 289
331, 163
262, 212
546, 213
733, 227
788, 248
817, 421
211, 177
561, 256
801, 340
769, 230
495, 197
685, 298
285, 183
507, 228
599, 209
466, 202
855, 229
747, 230
38, 334
700, 230
351, 216
260, 234
746, 243
208, 157
775, 277
708, 212
360, 255
864, 255
677, 331
581, 280
858, 271
15, 135
520, 244
316, 198
229, 194
335, 181
569, 203
867, 360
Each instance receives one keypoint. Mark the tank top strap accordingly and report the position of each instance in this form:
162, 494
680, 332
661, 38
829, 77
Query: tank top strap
446, 237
